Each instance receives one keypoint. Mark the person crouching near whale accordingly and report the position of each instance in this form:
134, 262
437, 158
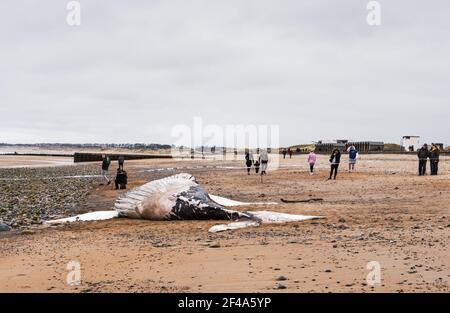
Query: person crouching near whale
105, 166
248, 161
311, 161
121, 179
335, 159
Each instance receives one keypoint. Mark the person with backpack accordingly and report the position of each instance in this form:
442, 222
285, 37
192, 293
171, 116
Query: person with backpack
423, 155
105, 166
335, 159
311, 161
352, 156
434, 159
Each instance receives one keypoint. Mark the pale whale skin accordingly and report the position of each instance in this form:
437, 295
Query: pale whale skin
177, 197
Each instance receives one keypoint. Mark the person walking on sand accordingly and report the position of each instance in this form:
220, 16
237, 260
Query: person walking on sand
352, 156
284, 153
121, 161
248, 161
105, 166
290, 153
257, 164
423, 155
264, 160
335, 159
311, 161
434, 159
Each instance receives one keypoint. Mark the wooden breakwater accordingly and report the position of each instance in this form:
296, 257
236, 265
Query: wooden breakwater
40, 154
79, 157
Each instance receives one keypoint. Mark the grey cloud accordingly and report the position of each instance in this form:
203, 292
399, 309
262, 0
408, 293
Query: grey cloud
133, 70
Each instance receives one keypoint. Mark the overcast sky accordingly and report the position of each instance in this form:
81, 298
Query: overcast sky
133, 70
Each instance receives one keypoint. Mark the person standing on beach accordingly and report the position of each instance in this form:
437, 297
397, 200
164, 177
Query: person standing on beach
121, 161
352, 156
284, 153
264, 160
105, 166
311, 161
434, 159
290, 153
248, 161
335, 159
257, 164
423, 155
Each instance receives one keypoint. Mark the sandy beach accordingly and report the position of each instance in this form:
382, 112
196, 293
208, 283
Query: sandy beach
383, 213
13, 161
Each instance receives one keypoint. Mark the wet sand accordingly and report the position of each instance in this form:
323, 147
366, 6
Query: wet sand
383, 213
13, 161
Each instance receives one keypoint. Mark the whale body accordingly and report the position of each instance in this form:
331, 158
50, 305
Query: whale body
180, 197
177, 197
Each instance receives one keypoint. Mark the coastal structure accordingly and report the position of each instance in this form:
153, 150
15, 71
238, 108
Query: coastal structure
342, 145
410, 143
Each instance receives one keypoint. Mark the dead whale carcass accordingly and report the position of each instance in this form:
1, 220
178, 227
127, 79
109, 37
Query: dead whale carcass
180, 197
177, 197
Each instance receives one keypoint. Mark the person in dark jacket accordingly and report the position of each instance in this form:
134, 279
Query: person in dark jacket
257, 164
105, 166
423, 155
434, 159
121, 179
248, 161
335, 159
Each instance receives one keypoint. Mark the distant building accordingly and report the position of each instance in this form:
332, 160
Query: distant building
410, 143
367, 146
328, 147
342, 145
